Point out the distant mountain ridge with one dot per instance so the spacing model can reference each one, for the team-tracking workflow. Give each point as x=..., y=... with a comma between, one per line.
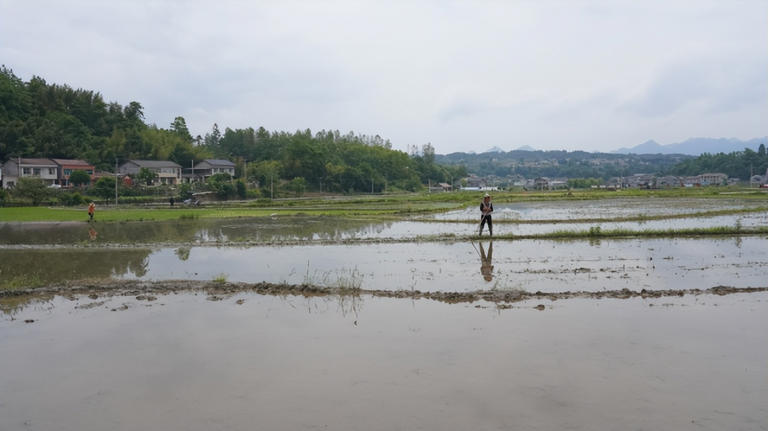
x=695, y=146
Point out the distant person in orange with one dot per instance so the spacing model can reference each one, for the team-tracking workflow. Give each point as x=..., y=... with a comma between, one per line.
x=91, y=211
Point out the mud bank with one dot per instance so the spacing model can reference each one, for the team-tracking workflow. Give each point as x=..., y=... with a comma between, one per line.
x=143, y=290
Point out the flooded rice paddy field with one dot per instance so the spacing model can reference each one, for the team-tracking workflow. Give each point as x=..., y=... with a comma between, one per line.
x=183, y=361
x=320, y=229
x=529, y=265
x=668, y=348
x=602, y=208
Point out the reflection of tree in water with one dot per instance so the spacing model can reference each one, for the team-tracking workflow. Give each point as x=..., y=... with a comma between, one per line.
x=305, y=228
x=12, y=305
x=126, y=232
x=30, y=268
x=183, y=253
x=248, y=229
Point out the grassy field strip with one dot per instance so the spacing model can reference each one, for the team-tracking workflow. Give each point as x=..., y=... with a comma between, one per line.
x=111, y=214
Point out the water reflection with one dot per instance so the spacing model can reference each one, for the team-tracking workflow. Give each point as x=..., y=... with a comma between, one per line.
x=531, y=265
x=264, y=229
x=486, y=261
x=36, y=267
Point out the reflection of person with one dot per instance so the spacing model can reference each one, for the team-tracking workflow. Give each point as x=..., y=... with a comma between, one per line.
x=486, y=262
x=92, y=234
x=486, y=208
x=91, y=211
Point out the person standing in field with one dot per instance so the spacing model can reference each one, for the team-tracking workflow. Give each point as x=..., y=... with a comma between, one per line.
x=486, y=208
x=91, y=211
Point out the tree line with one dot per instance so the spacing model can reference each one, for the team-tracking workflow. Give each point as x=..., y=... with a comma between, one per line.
x=738, y=164
x=39, y=119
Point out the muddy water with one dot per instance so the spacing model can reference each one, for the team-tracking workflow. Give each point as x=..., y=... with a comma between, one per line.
x=300, y=228
x=192, y=231
x=530, y=265
x=602, y=208
x=183, y=362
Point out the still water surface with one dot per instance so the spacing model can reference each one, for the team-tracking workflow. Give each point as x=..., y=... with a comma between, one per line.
x=182, y=362
x=531, y=265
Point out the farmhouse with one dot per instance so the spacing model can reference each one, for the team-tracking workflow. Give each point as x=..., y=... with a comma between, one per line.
x=167, y=172
x=13, y=169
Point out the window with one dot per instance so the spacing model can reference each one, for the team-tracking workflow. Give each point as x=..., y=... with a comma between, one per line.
x=51, y=171
x=27, y=171
x=67, y=172
x=36, y=171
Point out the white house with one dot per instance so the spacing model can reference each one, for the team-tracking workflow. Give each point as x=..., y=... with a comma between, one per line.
x=167, y=172
x=208, y=168
x=45, y=169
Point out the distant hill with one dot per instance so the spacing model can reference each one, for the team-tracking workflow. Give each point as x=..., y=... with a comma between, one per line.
x=494, y=150
x=695, y=146
x=526, y=148
x=573, y=164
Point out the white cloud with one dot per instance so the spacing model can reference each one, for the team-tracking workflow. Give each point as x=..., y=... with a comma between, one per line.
x=593, y=75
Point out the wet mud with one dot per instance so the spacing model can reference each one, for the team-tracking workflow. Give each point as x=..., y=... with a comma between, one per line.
x=216, y=291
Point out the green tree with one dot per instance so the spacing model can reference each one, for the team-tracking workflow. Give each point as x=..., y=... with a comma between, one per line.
x=147, y=176
x=105, y=187
x=298, y=185
x=240, y=188
x=179, y=127
x=79, y=178
x=31, y=188
x=185, y=191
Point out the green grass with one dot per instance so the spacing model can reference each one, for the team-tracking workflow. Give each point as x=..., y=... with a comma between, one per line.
x=53, y=214
x=366, y=205
x=640, y=217
x=596, y=233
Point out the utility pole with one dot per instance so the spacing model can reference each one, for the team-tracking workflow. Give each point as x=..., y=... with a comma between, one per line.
x=371, y=183
x=116, y=179
x=271, y=187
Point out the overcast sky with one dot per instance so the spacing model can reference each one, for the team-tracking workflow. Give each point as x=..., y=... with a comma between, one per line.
x=463, y=75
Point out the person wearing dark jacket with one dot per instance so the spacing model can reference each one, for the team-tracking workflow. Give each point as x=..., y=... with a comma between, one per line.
x=486, y=208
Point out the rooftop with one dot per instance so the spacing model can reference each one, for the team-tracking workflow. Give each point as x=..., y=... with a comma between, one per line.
x=155, y=163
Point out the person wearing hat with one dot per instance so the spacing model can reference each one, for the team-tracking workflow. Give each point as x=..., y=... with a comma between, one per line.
x=486, y=208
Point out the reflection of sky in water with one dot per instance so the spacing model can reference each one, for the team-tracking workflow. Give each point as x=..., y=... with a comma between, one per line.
x=415, y=228
x=531, y=265
x=304, y=228
x=289, y=363
x=603, y=208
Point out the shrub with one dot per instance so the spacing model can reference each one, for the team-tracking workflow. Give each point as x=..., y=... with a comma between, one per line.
x=33, y=189
x=185, y=191
x=241, y=191
x=71, y=199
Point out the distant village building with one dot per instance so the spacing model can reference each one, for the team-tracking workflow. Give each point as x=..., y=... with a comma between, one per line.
x=67, y=166
x=637, y=181
x=208, y=168
x=167, y=172
x=541, y=183
x=716, y=179
x=668, y=181
x=44, y=169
